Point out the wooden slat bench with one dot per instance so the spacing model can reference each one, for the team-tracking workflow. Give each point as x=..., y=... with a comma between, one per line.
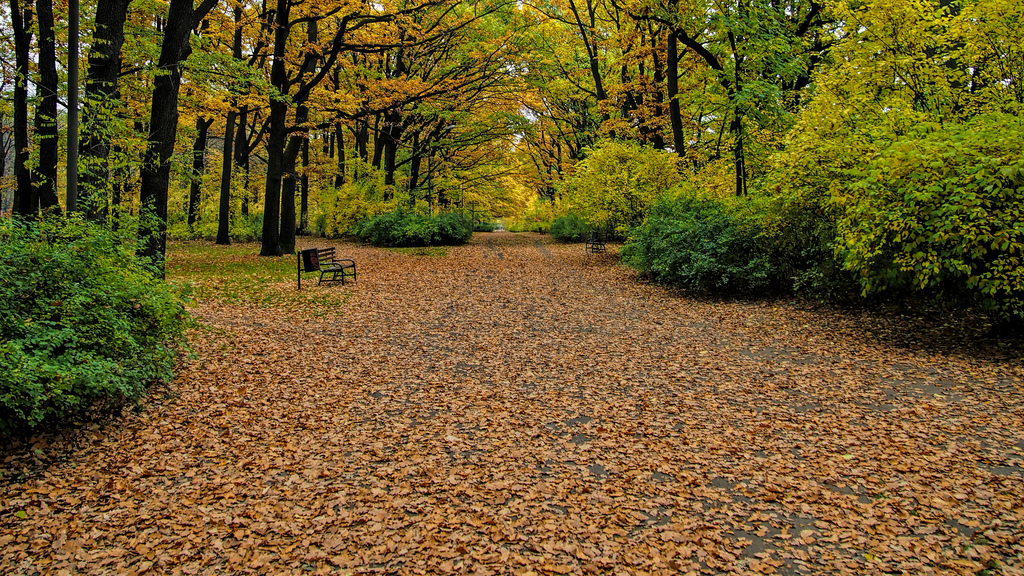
x=323, y=260
x=595, y=243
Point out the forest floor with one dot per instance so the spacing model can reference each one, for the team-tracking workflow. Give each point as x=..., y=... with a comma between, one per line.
x=516, y=406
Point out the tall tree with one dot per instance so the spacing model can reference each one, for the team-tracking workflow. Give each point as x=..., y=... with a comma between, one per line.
x=44, y=176
x=182, y=19
x=198, y=168
x=21, y=20
x=674, y=109
x=293, y=88
x=242, y=148
x=754, y=52
x=101, y=103
x=227, y=165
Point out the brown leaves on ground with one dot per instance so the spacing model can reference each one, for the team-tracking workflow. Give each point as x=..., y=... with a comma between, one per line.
x=520, y=407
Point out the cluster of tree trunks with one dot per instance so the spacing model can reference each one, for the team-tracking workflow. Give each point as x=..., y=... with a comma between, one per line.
x=36, y=191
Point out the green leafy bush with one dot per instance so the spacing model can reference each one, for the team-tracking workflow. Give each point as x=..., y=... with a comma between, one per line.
x=615, y=185
x=484, y=227
x=798, y=234
x=243, y=228
x=453, y=228
x=339, y=211
x=83, y=324
x=405, y=228
x=570, y=228
x=697, y=244
x=943, y=209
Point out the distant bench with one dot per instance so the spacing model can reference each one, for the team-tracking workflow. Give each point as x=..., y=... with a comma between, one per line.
x=322, y=260
x=595, y=243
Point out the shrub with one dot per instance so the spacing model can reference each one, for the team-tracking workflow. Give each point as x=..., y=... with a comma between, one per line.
x=384, y=230
x=804, y=243
x=339, y=212
x=241, y=229
x=570, y=228
x=405, y=228
x=941, y=209
x=697, y=244
x=484, y=227
x=246, y=228
x=83, y=324
x=798, y=235
x=615, y=185
x=454, y=228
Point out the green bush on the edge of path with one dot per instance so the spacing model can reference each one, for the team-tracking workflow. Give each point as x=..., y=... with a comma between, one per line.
x=85, y=326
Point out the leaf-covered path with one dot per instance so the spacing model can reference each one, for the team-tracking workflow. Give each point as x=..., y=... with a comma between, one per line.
x=520, y=407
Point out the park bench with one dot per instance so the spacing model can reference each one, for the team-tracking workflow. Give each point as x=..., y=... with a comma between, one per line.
x=595, y=243
x=323, y=260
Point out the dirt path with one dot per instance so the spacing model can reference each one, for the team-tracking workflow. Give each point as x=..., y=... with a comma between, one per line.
x=519, y=407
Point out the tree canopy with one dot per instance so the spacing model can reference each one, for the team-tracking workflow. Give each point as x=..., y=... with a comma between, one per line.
x=263, y=120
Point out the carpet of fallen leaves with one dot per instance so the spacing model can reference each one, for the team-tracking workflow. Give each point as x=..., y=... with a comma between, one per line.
x=521, y=407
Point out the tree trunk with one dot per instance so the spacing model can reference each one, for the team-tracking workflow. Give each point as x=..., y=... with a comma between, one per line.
x=101, y=94
x=674, y=111
x=284, y=181
x=198, y=169
x=654, y=125
x=338, y=143
x=182, y=18
x=271, y=236
x=242, y=156
x=393, y=126
x=739, y=161
x=304, y=188
x=44, y=177
x=227, y=161
x=414, y=165
x=224, y=213
x=363, y=140
x=24, y=200
x=378, y=142
x=736, y=127
x=289, y=183
x=390, y=151
x=586, y=30
x=5, y=148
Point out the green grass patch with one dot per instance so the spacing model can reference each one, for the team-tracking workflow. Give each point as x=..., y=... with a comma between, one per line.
x=433, y=251
x=236, y=274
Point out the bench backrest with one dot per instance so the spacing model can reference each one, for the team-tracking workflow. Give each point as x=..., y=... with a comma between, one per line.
x=310, y=260
x=312, y=257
